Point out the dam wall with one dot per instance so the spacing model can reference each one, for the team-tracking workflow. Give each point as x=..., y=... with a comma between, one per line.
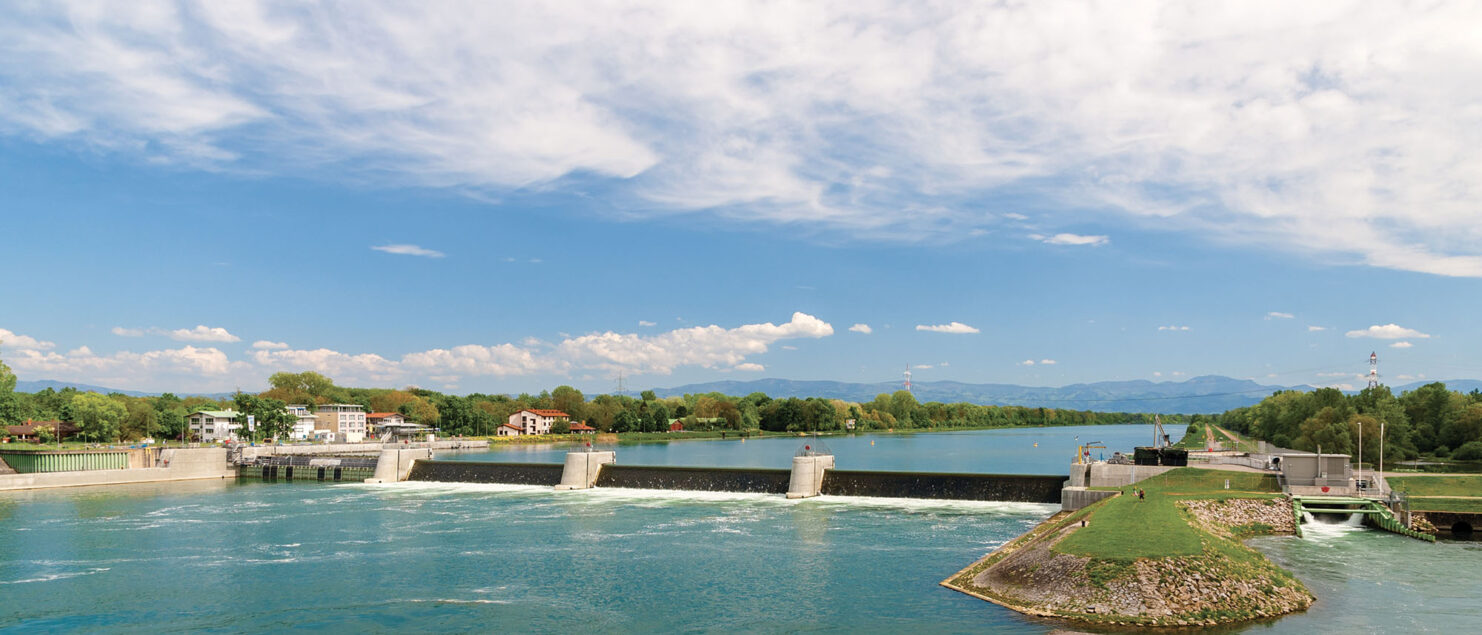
x=982, y=487
x=703, y=479
x=548, y=475
x=174, y=465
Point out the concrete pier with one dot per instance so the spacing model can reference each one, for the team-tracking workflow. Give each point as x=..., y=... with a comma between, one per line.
x=582, y=468
x=394, y=465
x=807, y=475
x=175, y=465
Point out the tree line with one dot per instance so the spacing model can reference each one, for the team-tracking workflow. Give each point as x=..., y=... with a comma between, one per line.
x=1428, y=421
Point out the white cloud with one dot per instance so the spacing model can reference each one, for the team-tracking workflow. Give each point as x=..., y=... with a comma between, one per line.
x=1071, y=239
x=881, y=119
x=16, y=341
x=1279, y=315
x=1401, y=345
x=1015, y=216
x=862, y=328
x=647, y=323
x=271, y=346
x=952, y=327
x=1314, y=329
x=1047, y=362
x=1157, y=374
x=922, y=366
x=1173, y=328
x=750, y=367
x=1027, y=362
x=342, y=367
x=789, y=347
x=123, y=332
x=1388, y=332
x=707, y=346
x=203, y=333
x=409, y=250
x=82, y=362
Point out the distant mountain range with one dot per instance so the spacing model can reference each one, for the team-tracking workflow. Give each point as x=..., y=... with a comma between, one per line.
x=1201, y=395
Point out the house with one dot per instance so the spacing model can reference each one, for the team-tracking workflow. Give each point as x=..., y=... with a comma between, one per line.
x=304, y=427
x=509, y=430
x=375, y=421
x=211, y=426
x=582, y=428
x=27, y=431
x=676, y=425
x=344, y=421
x=536, y=421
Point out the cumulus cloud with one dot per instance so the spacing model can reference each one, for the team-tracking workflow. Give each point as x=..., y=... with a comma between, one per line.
x=1388, y=332
x=1027, y=362
x=203, y=333
x=409, y=250
x=124, y=332
x=1279, y=315
x=951, y=327
x=750, y=367
x=1314, y=329
x=1173, y=328
x=1071, y=239
x=83, y=362
x=270, y=346
x=862, y=328
x=1401, y=344
x=16, y=341
x=706, y=346
x=877, y=119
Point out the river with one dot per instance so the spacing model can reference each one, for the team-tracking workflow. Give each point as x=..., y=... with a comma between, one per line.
x=255, y=556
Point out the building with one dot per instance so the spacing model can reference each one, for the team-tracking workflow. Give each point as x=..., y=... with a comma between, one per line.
x=677, y=425
x=345, y=422
x=1314, y=474
x=375, y=421
x=582, y=428
x=536, y=421
x=509, y=430
x=211, y=426
x=303, y=428
x=27, y=431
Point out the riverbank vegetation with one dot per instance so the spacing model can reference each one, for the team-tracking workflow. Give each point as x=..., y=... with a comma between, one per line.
x=1427, y=421
x=1171, y=558
x=114, y=417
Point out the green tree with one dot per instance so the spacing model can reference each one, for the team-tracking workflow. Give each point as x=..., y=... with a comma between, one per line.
x=570, y=401
x=97, y=417
x=270, y=417
x=561, y=426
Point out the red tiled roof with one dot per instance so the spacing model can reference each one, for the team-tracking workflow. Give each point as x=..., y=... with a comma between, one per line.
x=581, y=427
x=383, y=415
x=546, y=413
x=512, y=426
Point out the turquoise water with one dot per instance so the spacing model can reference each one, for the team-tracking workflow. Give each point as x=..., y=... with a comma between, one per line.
x=1002, y=451
x=253, y=556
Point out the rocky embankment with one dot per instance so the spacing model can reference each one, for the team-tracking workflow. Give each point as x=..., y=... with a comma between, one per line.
x=1227, y=583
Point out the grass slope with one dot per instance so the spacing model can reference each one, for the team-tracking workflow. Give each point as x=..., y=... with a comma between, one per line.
x=1447, y=485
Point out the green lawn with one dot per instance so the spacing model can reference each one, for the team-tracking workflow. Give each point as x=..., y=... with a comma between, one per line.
x=1125, y=528
x=1448, y=485
x=1473, y=505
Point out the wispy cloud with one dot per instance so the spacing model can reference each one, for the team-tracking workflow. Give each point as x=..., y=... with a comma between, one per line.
x=1232, y=127
x=952, y=327
x=1401, y=344
x=750, y=367
x=862, y=328
x=1047, y=362
x=1027, y=362
x=1173, y=328
x=647, y=323
x=1071, y=239
x=409, y=250
x=1314, y=329
x=1388, y=332
x=1279, y=315
x=126, y=332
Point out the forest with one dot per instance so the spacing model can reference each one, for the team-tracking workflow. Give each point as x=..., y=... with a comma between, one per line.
x=1427, y=421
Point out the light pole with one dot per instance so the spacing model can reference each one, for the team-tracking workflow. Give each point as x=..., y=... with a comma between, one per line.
x=1361, y=451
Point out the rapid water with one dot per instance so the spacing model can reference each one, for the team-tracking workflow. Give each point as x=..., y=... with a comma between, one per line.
x=258, y=557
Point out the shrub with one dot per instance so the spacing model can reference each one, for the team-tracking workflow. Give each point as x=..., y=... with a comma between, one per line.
x=1442, y=452
x=1472, y=451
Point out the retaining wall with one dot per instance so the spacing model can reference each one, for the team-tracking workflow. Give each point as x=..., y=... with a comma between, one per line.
x=176, y=465
x=483, y=472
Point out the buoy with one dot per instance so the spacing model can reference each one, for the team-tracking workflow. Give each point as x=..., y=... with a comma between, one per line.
x=872, y=442
x=1036, y=444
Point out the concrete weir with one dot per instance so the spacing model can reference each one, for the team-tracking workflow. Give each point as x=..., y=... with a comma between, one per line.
x=582, y=468
x=806, y=480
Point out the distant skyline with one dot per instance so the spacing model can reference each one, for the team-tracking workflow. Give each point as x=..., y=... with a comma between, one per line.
x=474, y=198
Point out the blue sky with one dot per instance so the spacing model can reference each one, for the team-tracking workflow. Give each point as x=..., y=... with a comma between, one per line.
x=196, y=196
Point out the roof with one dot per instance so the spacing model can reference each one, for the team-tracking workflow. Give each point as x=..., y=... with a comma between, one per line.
x=383, y=415
x=579, y=427
x=219, y=414
x=30, y=427
x=511, y=426
x=546, y=413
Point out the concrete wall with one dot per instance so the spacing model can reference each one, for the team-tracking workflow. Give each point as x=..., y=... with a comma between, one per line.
x=1073, y=498
x=582, y=468
x=178, y=465
x=1109, y=475
x=807, y=475
x=394, y=465
x=250, y=452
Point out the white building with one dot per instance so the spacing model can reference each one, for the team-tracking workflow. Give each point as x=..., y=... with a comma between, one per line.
x=345, y=421
x=304, y=427
x=508, y=430
x=214, y=425
x=536, y=421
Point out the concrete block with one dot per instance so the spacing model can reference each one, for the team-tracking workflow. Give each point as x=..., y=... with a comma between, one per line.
x=582, y=468
x=807, y=475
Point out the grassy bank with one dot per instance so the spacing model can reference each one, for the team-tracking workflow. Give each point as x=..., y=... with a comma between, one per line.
x=1174, y=558
x=1438, y=485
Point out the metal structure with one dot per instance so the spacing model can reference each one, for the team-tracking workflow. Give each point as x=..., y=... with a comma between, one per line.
x=1083, y=452
x=1373, y=370
x=908, y=378
x=1159, y=438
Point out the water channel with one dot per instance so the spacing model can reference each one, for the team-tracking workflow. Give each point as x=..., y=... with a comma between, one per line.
x=255, y=556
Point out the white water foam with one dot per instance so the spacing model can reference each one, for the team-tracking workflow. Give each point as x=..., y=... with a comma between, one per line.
x=57, y=576
x=1314, y=529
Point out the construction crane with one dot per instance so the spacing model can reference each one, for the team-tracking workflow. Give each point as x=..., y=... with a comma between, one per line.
x=1083, y=452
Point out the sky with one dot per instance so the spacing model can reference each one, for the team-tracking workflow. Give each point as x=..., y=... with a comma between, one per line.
x=502, y=198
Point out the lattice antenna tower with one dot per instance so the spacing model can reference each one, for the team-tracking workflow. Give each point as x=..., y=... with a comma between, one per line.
x=1373, y=370
x=621, y=387
x=908, y=378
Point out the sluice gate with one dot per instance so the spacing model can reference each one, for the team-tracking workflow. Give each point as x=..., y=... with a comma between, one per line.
x=984, y=487
x=1376, y=514
x=309, y=468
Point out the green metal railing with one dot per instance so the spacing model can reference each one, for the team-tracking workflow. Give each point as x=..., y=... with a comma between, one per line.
x=34, y=462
